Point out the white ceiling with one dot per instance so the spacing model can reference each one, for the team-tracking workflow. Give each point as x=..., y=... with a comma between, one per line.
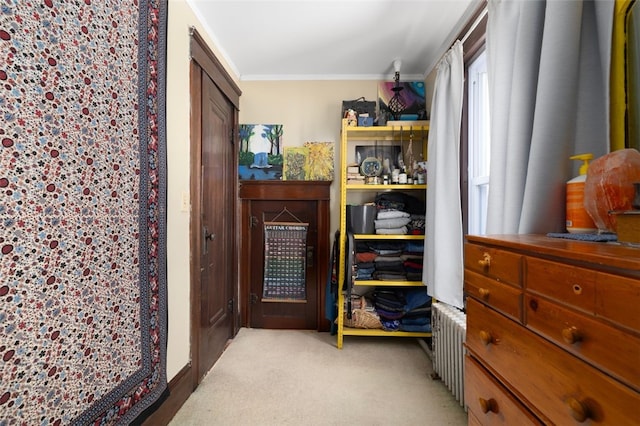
x=331, y=40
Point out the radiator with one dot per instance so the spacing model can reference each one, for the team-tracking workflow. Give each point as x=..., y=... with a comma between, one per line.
x=449, y=325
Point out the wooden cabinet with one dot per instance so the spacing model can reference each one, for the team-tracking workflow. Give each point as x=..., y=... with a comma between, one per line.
x=308, y=202
x=359, y=193
x=553, y=335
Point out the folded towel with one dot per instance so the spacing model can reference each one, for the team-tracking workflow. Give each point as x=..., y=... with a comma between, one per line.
x=391, y=214
x=391, y=223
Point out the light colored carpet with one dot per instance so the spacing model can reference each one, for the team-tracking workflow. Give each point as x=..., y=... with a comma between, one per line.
x=299, y=377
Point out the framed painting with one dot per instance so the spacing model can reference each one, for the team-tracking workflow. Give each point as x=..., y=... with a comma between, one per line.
x=412, y=95
x=320, y=161
x=295, y=166
x=260, y=156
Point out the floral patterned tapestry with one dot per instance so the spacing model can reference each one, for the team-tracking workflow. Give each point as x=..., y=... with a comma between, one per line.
x=82, y=210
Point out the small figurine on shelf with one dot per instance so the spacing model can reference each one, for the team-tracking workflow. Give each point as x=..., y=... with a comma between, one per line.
x=420, y=172
x=352, y=117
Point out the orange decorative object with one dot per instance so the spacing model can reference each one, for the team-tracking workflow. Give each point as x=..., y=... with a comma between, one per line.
x=609, y=186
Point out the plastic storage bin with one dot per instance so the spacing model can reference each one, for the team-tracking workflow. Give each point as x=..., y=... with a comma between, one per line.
x=360, y=219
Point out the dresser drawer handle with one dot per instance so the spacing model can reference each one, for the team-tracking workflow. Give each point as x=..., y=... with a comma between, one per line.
x=579, y=410
x=485, y=262
x=488, y=405
x=485, y=337
x=571, y=335
x=484, y=293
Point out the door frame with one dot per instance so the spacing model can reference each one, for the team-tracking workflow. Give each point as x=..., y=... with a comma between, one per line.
x=203, y=59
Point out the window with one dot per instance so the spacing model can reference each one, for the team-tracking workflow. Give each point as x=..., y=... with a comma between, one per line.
x=479, y=153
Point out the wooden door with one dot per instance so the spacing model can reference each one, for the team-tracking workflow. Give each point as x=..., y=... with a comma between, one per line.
x=215, y=99
x=269, y=313
x=217, y=224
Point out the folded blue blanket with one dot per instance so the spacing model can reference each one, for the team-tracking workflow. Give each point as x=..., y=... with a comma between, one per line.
x=423, y=320
x=416, y=297
x=426, y=328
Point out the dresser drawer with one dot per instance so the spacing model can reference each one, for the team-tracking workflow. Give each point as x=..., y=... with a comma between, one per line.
x=488, y=402
x=565, y=283
x=557, y=383
x=498, y=264
x=602, y=345
x=504, y=298
x=618, y=300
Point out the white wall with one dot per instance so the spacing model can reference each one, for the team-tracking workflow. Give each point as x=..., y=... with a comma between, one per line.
x=309, y=112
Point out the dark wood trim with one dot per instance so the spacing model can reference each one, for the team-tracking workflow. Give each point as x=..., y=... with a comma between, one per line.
x=473, y=46
x=324, y=254
x=202, y=54
x=180, y=388
x=194, y=235
x=238, y=309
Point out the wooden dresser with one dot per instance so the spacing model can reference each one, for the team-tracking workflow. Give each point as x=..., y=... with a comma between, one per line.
x=553, y=331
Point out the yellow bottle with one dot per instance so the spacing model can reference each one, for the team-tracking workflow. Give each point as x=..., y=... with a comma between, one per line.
x=578, y=220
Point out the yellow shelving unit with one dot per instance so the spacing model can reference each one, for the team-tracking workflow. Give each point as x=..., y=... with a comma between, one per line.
x=350, y=137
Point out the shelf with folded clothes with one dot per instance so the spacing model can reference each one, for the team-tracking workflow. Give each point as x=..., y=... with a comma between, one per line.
x=388, y=263
x=390, y=309
x=399, y=214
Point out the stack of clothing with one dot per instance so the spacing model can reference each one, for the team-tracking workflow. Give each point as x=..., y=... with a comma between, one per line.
x=417, y=316
x=399, y=214
x=365, y=266
x=390, y=305
x=406, y=309
x=388, y=263
x=389, y=260
x=392, y=222
x=389, y=268
x=412, y=258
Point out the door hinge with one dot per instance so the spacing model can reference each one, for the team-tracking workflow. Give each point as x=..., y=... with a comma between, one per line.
x=254, y=298
x=230, y=305
x=232, y=139
x=253, y=221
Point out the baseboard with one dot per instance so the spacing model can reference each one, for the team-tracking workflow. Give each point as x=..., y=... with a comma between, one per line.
x=180, y=388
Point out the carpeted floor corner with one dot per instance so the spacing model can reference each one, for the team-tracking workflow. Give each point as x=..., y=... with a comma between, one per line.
x=299, y=377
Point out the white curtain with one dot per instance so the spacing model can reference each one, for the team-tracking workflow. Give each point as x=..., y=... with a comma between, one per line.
x=549, y=95
x=443, y=269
